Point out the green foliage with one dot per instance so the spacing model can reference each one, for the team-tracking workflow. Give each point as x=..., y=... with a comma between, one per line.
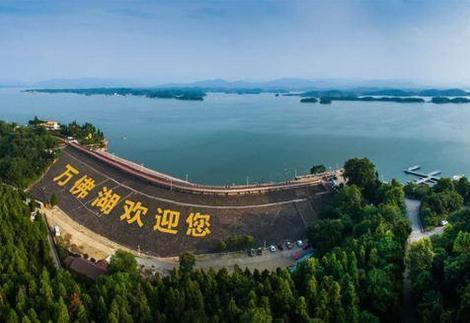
x=416, y=191
x=440, y=200
x=25, y=153
x=325, y=235
x=86, y=134
x=439, y=270
x=437, y=205
x=236, y=243
x=317, y=169
x=360, y=243
x=123, y=262
x=419, y=257
x=36, y=121
x=391, y=194
x=462, y=186
x=361, y=172
x=54, y=200
x=462, y=243
x=187, y=262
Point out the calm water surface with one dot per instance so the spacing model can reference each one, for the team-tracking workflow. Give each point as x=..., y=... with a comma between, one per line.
x=226, y=138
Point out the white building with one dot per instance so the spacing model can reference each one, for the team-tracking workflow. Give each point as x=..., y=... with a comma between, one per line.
x=51, y=125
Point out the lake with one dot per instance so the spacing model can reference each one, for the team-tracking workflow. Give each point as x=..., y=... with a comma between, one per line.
x=230, y=138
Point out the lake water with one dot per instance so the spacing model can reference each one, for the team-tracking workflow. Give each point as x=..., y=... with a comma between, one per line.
x=227, y=138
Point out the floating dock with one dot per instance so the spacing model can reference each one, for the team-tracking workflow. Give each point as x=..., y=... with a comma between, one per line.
x=429, y=178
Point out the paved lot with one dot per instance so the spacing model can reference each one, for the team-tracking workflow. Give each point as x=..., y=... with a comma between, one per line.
x=412, y=208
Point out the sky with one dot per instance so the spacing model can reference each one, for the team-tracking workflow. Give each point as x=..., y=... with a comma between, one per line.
x=181, y=41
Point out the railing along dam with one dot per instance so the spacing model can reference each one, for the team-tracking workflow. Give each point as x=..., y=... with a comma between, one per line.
x=177, y=184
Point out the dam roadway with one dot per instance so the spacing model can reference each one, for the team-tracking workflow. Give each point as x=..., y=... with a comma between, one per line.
x=178, y=184
x=163, y=216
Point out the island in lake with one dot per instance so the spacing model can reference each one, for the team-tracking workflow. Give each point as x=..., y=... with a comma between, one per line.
x=176, y=93
x=325, y=96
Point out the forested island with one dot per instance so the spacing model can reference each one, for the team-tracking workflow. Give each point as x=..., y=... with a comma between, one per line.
x=355, y=275
x=385, y=95
x=338, y=93
x=443, y=100
x=324, y=100
x=308, y=96
x=309, y=100
x=178, y=93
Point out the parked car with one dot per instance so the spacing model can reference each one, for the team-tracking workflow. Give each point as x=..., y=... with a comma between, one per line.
x=56, y=231
x=306, y=246
x=251, y=252
x=299, y=243
x=443, y=222
x=280, y=247
x=272, y=248
x=259, y=251
x=289, y=245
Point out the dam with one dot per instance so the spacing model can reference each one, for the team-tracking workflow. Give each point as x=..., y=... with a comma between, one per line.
x=162, y=216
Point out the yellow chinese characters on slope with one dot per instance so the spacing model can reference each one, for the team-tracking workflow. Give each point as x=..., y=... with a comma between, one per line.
x=82, y=187
x=166, y=220
x=133, y=212
x=66, y=176
x=106, y=200
x=198, y=225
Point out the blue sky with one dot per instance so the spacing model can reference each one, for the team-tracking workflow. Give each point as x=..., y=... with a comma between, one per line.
x=166, y=41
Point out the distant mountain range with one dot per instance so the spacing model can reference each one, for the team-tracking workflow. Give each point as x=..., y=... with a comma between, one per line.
x=283, y=84
x=295, y=84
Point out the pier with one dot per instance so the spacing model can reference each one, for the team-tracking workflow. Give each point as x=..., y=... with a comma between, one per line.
x=429, y=178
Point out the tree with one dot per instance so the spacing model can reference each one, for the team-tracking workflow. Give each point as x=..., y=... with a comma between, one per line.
x=392, y=194
x=54, y=199
x=187, y=262
x=256, y=315
x=349, y=199
x=325, y=235
x=443, y=184
x=463, y=188
x=221, y=246
x=316, y=169
x=437, y=206
x=379, y=288
x=360, y=172
x=62, y=312
x=123, y=261
x=462, y=243
x=419, y=256
x=464, y=309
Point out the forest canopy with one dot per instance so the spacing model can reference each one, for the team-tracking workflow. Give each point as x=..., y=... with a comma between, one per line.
x=25, y=153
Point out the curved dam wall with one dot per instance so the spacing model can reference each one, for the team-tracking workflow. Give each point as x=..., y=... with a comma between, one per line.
x=135, y=209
